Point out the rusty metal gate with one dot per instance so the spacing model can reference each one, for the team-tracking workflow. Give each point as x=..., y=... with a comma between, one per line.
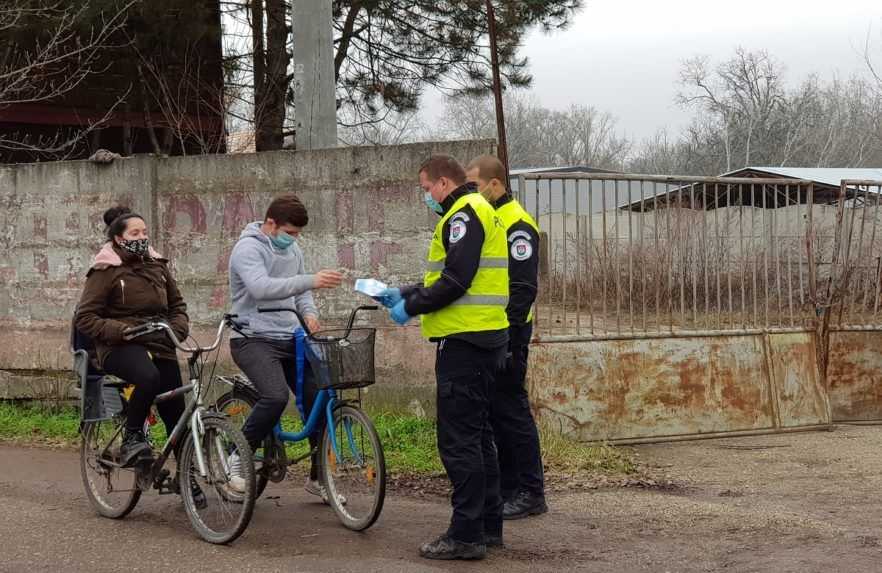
x=694, y=306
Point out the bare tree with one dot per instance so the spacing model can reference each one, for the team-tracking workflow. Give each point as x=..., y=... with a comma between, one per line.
x=50, y=64
x=746, y=116
x=189, y=104
x=538, y=136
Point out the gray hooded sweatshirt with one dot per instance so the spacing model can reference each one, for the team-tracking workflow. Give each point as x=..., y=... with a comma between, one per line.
x=263, y=276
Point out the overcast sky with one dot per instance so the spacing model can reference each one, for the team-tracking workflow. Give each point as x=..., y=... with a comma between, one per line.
x=624, y=56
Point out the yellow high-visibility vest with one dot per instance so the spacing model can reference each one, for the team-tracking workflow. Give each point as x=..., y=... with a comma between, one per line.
x=482, y=307
x=511, y=213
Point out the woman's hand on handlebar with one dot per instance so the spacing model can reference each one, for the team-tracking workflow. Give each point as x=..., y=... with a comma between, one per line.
x=327, y=279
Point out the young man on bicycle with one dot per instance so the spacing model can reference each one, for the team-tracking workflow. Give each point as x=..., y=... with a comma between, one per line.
x=267, y=269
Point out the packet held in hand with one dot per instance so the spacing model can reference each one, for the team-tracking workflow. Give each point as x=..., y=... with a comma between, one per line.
x=371, y=287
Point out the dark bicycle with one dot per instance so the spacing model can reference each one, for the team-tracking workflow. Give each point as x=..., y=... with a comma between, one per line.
x=207, y=439
x=352, y=465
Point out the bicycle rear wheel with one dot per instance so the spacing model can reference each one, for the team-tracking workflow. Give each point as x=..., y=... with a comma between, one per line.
x=354, y=476
x=113, y=491
x=225, y=513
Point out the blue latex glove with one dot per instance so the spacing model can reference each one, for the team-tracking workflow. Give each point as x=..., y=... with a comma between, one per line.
x=398, y=314
x=389, y=297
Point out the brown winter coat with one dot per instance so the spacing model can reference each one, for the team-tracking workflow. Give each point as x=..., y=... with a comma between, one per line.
x=123, y=290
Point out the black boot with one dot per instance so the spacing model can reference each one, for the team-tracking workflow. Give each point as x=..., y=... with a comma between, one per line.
x=445, y=547
x=134, y=449
x=524, y=505
x=493, y=540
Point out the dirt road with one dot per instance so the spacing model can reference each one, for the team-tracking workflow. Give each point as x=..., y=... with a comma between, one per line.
x=801, y=502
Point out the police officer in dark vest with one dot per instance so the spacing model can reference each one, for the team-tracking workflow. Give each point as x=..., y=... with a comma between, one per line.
x=517, y=440
x=461, y=304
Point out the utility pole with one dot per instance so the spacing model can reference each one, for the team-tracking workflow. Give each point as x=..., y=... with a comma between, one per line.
x=315, y=95
x=502, y=151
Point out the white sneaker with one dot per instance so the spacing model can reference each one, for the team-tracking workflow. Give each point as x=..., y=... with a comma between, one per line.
x=313, y=487
x=236, y=482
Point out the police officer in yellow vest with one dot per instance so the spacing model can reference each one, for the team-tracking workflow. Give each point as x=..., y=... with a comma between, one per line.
x=522, y=482
x=461, y=303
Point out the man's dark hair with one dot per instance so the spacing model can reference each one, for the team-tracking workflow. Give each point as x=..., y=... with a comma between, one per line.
x=288, y=210
x=116, y=219
x=439, y=166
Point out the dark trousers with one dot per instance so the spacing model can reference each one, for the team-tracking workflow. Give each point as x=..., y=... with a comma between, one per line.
x=465, y=375
x=517, y=440
x=271, y=366
x=151, y=377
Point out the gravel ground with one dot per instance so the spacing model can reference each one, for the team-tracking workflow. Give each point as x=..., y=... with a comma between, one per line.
x=799, y=502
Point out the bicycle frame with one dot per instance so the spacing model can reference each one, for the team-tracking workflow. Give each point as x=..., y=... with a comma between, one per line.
x=326, y=400
x=192, y=415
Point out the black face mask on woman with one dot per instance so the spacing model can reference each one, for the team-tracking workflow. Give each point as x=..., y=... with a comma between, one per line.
x=137, y=247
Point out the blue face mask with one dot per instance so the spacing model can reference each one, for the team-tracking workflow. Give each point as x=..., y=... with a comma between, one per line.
x=282, y=241
x=433, y=205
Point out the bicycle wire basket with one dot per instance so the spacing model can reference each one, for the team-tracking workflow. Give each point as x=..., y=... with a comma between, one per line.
x=341, y=361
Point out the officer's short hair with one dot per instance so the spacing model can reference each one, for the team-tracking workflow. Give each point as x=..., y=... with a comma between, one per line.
x=489, y=167
x=439, y=166
x=288, y=209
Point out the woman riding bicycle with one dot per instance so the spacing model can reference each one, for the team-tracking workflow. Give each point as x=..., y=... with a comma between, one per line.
x=128, y=284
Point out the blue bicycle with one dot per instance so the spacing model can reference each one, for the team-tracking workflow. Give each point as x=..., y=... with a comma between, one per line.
x=351, y=463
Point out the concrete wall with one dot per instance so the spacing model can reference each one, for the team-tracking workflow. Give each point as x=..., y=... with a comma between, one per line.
x=366, y=218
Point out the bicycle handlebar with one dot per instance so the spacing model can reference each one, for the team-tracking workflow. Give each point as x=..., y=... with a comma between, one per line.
x=303, y=322
x=134, y=332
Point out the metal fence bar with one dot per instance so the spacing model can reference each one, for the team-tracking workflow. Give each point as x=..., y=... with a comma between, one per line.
x=658, y=253
x=755, y=258
x=718, y=263
x=731, y=317
x=613, y=265
x=630, y=262
x=765, y=263
x=860, y=251
x=871, y=257
x=669, y=213
x=566, y=262
x=579, y=252
x=643, y=254
x=591, y=273
x=552, y=255
x=878, y=275
x=846, y=270
x=802, y=252
x=705, y=258
x=684, y=258
x=789, y=258
x=776, y=251
x=742, y=256
x=604, y=254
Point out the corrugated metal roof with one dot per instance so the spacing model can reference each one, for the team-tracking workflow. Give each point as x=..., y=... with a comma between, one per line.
x=832, y=176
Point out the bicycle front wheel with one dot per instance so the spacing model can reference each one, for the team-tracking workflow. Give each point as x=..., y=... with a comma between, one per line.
x=112, y=490
x=223, y=511
x=355, y=474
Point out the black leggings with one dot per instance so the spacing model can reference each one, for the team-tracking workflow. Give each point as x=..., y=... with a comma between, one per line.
x=131, y=363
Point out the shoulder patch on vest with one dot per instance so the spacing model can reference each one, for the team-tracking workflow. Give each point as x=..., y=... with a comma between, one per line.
x=519, y=234
x=521, y=249
x=460, y=216
x=458, y=230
